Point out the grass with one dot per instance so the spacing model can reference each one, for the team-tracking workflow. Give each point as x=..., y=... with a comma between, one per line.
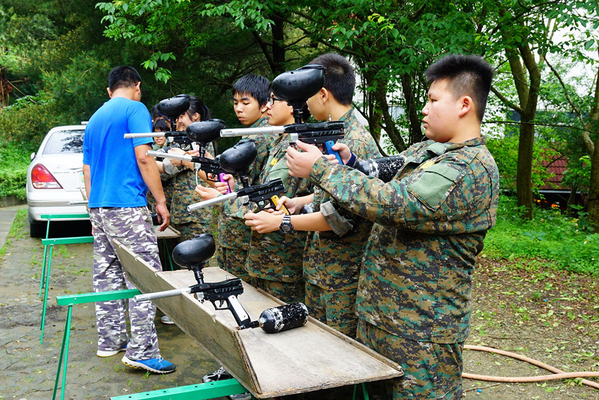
x=565, y=241
x=16, y=230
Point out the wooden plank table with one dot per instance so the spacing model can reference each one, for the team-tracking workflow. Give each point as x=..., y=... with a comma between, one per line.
x=310, y=358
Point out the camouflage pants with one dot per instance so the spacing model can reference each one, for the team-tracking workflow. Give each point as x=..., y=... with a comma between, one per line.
x=232, y=260
x=289, y=292
x=336, y=308
x=190, y=230
x=132, y=227
x=431, y=370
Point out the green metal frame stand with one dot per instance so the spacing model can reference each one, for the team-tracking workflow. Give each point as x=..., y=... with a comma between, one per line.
x=70, y=301
x=47, y=260
x=201, y=391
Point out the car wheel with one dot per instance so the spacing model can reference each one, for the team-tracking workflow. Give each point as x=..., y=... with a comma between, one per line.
x=37, y=229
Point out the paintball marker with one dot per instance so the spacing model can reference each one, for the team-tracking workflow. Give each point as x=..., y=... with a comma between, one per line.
x=236, y=161
x=193, y=254
x=202, y=132
x=172, y=108
x=296, y=87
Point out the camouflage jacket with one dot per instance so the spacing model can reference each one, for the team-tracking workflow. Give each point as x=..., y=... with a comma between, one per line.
x=276, y=256
x=232, y=230
x=332, y=258
x=183, y=194
x=430, y=222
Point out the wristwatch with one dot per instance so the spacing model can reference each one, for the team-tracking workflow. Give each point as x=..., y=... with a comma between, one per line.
x=286, y=226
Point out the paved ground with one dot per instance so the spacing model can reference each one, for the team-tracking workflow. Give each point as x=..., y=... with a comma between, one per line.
x=29, y=369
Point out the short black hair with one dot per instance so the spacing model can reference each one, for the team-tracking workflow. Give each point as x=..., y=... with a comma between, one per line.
x=155, y=113
x=161, y=125
x=339, y=79
x=197, y=106
x=123, y=77
x=254, y=85
x=468, y=75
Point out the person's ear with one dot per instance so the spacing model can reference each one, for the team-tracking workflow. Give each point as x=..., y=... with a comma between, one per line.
x=323, y=95
x=466, y=105
x=196, y=117
x=109, y=92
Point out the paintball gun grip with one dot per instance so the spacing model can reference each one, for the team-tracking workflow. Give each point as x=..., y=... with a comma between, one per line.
x=159, y=295
x=211, y=202
x=149, y=134
x=329, y=146
x=221, y=177
x=275, y=200
x=241, y=316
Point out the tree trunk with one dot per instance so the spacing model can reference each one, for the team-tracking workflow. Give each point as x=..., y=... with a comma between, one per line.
x=413, y=114
x=593, y=203
x=524, y=173
x=278, y=45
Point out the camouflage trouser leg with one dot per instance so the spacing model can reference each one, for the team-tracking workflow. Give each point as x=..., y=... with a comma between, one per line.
x=336, y=308
x=289, y=292
x=431, y=370
x=132, y=228
x=232, y=260
x=190, y=230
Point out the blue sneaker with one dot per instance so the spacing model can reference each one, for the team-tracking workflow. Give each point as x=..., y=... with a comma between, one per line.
x=110, y=353
x=156, y=365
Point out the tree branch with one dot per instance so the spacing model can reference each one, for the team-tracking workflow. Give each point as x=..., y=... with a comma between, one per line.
x=506, y=101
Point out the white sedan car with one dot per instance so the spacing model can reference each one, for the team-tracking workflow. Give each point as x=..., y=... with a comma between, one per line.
x=54, y=178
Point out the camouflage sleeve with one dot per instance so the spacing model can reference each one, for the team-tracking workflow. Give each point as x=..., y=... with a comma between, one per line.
x=446, y=198
x=169, y=169
x=336, y=221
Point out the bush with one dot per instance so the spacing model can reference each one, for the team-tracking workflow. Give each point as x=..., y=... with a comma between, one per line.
x=14, y=161
x=550, y=235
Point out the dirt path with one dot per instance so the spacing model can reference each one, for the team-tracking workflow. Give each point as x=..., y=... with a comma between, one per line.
x=530, y=310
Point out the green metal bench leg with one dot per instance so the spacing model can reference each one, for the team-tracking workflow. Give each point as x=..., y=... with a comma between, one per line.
x=167, y=254
x=47, y=286
x=201, y=391
x=364, y=391
x=43, y=275
x=64, y=353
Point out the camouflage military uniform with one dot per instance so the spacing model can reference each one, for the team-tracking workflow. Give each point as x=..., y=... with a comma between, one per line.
x=274, y=260
x=233, y=234
x=132, y=227
x=416, y=277
x=189, y=224
x=332, y=259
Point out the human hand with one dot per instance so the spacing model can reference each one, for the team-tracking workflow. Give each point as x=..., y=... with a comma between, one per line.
x=300, y=163
x=207, y=193
x=343, y=150
x=263, y=222
x=164, y=216
x=179, y=152
x=292, y=204
x=222, y=187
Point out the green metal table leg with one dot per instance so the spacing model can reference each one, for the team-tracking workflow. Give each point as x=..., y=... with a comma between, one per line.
x=64, y=353
x=46, y=294
x=364, y=391
x=202, y=391
x=70, y=300
x=43, y=275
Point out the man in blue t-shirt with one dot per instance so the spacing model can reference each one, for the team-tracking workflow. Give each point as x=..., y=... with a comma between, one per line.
x=118, y=174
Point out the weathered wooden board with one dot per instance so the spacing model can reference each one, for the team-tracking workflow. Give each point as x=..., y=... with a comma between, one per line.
x=168, y=233
x=305, y=359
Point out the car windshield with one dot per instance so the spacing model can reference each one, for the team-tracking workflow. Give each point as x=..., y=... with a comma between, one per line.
x=65, y=142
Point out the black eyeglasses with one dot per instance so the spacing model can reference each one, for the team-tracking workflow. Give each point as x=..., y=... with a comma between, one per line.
x=273, y=99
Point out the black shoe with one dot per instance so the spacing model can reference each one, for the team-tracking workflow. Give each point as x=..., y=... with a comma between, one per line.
x=219, y=375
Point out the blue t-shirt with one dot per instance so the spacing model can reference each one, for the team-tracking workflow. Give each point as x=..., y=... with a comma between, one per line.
x=115, y=177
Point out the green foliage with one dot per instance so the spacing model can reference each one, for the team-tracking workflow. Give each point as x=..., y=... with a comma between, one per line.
x=505, y=152
x=550, y=235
